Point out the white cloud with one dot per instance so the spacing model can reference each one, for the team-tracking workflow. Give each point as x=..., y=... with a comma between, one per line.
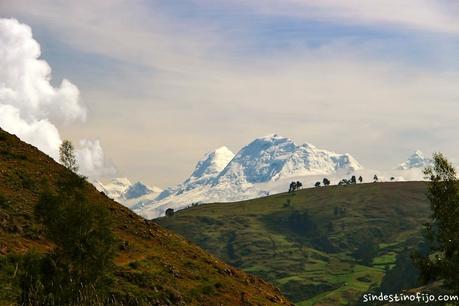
x=92, y=161
x=25, y=79
x=30, y=105
x=40, y=133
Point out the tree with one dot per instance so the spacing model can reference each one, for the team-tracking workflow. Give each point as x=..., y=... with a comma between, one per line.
x=67, y=156
x=298, y=185
x=169, y=212
x=441, y=262
x=360, y=179
x=84, y=247
x=366, y=251
x=317, y=184
x=292, y=187
x=375, y=178
x=326, y=181
x=353, y=180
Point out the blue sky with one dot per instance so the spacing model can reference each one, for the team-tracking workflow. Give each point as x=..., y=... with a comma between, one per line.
x=166, y=81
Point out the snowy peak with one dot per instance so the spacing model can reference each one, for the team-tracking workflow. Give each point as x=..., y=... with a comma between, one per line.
x=116, y=187
x=309, y=160
x=274, y=157
x=139, y=189
x=205, y=172
x=415, y=161
x=259, y=161
x=124, y=192
x=212, y=164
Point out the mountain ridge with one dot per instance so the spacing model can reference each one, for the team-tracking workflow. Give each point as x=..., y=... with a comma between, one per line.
x=264, y=166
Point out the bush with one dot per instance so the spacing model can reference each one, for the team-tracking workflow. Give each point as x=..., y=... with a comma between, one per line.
x=301, y=223
x=79, y=267
x=4, y=203
x=366, y=251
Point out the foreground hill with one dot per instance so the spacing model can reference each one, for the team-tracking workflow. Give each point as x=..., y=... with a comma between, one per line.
x=322, y=246
x=153, y=265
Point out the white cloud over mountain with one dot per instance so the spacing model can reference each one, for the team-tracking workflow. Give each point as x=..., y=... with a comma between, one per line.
x=31, y=107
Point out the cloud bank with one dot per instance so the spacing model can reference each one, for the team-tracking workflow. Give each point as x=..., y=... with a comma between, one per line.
x=30, y=106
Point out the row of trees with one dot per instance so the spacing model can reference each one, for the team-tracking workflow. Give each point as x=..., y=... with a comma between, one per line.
x=294, y=186
x=326, y=182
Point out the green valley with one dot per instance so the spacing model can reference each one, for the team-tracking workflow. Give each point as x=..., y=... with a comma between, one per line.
x=322, y=246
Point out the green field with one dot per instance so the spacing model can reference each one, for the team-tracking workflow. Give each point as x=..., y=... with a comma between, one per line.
x=322, y=246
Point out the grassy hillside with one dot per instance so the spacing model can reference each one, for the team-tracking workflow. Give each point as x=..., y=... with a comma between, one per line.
x=153, y=266
x=319, y=246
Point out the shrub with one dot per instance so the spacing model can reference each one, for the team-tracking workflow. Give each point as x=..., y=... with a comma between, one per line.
x=78, y=269
x=4, y=203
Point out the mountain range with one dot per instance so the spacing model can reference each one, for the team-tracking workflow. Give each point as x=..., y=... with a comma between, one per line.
x=264, y=166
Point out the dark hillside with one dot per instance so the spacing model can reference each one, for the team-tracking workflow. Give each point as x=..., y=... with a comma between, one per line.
x=153, y=266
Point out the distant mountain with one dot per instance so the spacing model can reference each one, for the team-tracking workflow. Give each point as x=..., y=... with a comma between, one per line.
x=222, y=176
x=205, y=172
x=139, y=189
x=264, y=166
x=274, y=157
x=208, y=168
x=126, y=193
x=416, y=161
x=115, y=188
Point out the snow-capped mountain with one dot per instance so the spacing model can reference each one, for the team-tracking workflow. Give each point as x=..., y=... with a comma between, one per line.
x=209, y=168
x=126, y=193
x=254, y=171
x=115, y=188
x=416, y=161
x=205, y=172
x=274, y=157
x=139, y=189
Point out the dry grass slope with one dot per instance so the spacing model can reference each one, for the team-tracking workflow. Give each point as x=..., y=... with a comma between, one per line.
x=153, y=265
